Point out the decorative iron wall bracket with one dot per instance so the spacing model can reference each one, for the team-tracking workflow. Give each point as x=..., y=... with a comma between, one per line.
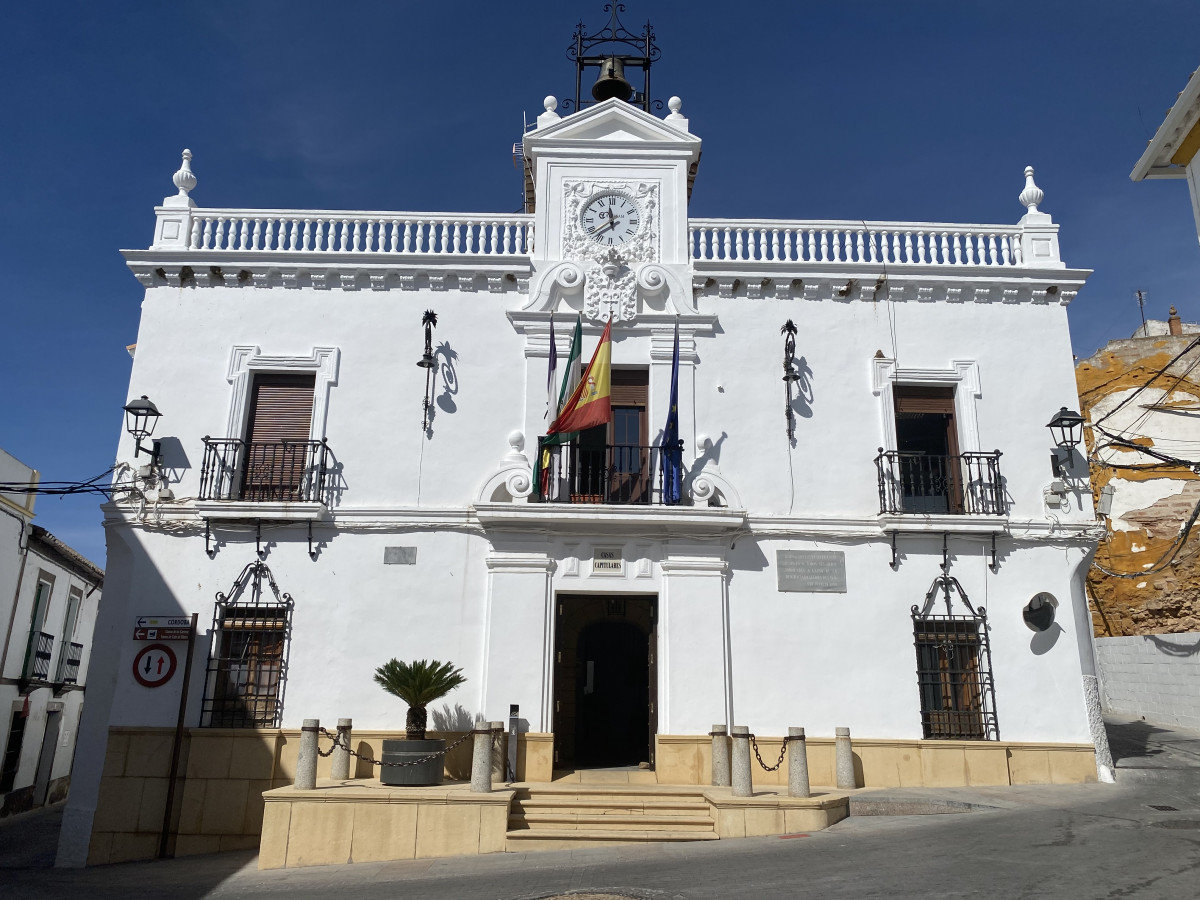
x=993, y=556
x=210, y=548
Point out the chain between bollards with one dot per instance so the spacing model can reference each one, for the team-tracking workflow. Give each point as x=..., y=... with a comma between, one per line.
x=375, y=762
x=782, y=753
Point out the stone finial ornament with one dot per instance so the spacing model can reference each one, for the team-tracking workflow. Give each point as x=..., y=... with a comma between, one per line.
x=549, y=117
x=184, y=179
x=675, y=117
x=1032, y=195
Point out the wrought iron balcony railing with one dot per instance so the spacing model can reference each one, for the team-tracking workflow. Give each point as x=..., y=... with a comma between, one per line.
x=966, y=484
x=619, y=474
x=265, y=471
x=69, y=658
x=37, y=656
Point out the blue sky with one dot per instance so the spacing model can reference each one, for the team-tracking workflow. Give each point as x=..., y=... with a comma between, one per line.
x=918, y=110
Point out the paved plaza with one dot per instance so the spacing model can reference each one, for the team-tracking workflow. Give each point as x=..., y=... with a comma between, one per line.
x=1137, y=838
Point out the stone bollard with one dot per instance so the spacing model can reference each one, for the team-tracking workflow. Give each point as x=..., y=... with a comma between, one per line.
x=844, y=755
x=306, y=757
x=720, y=756
x=797, y=755
x=481, y=759
x=339, y=764
x=741, y=776
x=498, y=755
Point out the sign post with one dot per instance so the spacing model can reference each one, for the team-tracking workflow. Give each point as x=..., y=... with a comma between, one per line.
x=164, y=837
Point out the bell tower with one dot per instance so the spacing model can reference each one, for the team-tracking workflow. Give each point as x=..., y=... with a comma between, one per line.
x=610, y=183
x=614, y=52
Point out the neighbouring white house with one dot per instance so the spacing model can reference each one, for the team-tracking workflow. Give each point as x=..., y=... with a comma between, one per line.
x=49, y=595
x=1172, y=152
x=870, y=532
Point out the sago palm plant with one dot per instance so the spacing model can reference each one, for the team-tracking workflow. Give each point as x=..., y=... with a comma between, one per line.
x=418, y=684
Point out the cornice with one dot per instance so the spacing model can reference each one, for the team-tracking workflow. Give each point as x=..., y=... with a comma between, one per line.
x=659, y=327
x=327, y=271
x=520, y=563
x=676, y=522
x=849, y=282
x=628, y=521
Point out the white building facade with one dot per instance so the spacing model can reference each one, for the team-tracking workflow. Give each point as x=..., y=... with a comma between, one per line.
x=49, y=596
x=792, y=584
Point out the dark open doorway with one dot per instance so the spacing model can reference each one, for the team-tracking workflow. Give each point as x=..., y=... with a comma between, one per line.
x=604, y=681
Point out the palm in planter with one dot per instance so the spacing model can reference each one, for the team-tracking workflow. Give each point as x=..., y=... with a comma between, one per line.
x=418, y=684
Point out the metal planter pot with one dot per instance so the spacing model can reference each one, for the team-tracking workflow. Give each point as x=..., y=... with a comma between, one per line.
x=424, y=773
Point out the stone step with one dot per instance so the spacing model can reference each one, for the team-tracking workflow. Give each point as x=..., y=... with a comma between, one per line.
x=538, y=821
x=611, y=792
x=564, y=839
x=628, y=806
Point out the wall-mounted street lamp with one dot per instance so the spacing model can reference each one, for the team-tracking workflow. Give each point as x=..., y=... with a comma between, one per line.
x=428, y=363
x=141, y=416
x=790, y=375
x=1067, y=429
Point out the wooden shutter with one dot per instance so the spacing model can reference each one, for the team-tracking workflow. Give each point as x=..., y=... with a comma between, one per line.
x=914, y=399
x=277, y=437
x=281, y=408
x=629, y=387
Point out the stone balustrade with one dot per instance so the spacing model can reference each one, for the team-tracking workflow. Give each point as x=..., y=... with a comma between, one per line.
x=312, y=231
x=890, y=243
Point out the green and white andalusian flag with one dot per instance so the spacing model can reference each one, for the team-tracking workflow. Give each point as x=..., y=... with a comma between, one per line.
x=549, y=468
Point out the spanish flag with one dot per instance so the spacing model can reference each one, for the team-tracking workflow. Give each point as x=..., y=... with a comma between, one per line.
x=589, y=404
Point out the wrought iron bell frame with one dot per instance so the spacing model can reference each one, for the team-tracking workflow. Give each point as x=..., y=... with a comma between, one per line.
x=613, y=40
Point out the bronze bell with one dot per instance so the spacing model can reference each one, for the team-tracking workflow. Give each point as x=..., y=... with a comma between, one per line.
x=611, y=82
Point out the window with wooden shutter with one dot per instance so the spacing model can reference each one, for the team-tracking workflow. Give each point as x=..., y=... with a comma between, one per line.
x=927, y=445
x=613, y=460
x=277, y=436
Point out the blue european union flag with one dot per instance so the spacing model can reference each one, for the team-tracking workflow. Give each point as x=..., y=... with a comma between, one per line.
x=671, y=448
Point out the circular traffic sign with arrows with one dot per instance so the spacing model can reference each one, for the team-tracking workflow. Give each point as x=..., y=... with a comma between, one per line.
x=154, y=665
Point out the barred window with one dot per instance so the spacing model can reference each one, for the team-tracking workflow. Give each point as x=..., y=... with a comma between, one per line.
x=954, y=676
x=247, y=671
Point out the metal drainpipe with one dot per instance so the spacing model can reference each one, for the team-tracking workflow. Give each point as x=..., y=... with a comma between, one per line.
x=17, y=593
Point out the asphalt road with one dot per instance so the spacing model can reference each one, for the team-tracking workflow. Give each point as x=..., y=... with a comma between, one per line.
x=1091, y=841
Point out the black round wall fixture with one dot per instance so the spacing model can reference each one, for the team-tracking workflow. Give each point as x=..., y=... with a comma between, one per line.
x=1039, y=611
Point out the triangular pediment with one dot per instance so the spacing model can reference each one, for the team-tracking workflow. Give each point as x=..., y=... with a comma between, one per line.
x=613, y=121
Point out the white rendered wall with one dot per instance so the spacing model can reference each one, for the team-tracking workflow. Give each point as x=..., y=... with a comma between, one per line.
x=40, y=698
x=1152, y=676
x=1021, y=352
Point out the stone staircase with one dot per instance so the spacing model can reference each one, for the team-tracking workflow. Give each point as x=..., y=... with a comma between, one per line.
x=561, y=816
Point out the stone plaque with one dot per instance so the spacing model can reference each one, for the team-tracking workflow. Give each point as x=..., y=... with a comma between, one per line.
x=811, y=571
x=608, y=561
x=399, y=556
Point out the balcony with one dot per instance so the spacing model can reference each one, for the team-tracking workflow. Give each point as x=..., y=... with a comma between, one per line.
x=266, y=471
x=602, y=474
x=927, y=484
x=70, y=656
x=37, y=657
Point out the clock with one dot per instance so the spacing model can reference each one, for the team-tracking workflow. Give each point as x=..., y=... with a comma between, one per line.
x=611, y=219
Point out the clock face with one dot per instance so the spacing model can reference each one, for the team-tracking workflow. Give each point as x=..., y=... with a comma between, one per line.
x=610, y=219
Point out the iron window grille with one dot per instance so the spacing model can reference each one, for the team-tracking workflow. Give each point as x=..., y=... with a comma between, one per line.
x=954, y=676
x=247, y=669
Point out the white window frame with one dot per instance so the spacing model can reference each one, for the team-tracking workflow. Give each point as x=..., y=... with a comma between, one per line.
x=248, y=359
x=962, y=376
